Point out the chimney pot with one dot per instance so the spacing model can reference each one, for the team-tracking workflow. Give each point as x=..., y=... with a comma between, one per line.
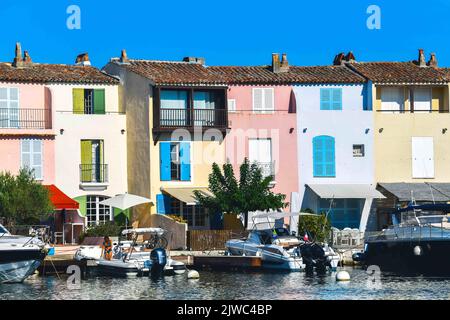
x=433, y=61
x=284, y=64
x=26, y=57
x=83, y=60
x=339, y=59
x=421, y=61
x=124, y=57
x=18, y=61
x=275, y=62
x=350, y=57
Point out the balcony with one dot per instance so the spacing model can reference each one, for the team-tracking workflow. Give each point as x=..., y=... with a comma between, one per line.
x=25, y=118
x=185, y=118
x=267, y=169
x=94, y=177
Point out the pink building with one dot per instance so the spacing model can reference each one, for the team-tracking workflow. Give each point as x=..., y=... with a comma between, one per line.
x=262, y=118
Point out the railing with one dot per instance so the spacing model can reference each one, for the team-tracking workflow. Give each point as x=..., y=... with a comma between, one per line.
x=93, y=173
x=267, y=168
x=347, y=238
x=407, y=233
x=25, y=118
x=413, y=111
x=169, y=118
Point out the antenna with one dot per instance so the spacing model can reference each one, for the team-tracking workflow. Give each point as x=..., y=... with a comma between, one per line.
x=432, y=195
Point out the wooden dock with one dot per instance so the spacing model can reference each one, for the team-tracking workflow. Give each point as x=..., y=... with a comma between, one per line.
x=227, y=262
x=58, y=265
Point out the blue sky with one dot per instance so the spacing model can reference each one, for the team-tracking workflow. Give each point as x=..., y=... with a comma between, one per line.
x=234, y=32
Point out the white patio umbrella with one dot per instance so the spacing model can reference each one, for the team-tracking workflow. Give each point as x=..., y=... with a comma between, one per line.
x=125, y=201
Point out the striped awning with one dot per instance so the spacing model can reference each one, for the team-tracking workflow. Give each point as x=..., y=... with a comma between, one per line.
x=186, y=195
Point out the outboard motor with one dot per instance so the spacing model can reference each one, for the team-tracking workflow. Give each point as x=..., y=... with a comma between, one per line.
x=314, y=257
x=158, y=257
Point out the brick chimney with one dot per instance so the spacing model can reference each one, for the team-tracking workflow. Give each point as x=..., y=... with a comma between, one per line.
x=284, y=64
x=339, y=59
x=433, y=61
x=198, y=60
x=124, y=57
x=18, y=61
x=350, y=57
x=421, y=61
x=83, y=60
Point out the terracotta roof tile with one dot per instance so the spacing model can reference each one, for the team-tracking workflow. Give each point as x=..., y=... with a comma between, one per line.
x=54, y=73
x=179, y=73
x=398, y=72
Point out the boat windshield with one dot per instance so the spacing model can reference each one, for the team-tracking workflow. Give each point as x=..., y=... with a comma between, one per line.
x=3, y=230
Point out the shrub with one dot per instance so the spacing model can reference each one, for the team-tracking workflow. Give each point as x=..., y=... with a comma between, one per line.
x=317, y=227
x=109, y=229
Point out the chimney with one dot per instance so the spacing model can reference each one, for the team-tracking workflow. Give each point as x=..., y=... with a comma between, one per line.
x=433, y=61
x=421, y=61
x=197, y=60
x=350, y=57
x=83, y=60
x=284, y=64
x=18, y=61
x=339, y=59
x=26, y=58
x=124, y=57
x=275, y=62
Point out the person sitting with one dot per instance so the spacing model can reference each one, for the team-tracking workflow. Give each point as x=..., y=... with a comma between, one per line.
x=107, y=248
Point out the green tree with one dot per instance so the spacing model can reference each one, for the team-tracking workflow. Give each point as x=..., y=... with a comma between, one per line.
x=23, y=200
x=251, y=192
x=318, y=227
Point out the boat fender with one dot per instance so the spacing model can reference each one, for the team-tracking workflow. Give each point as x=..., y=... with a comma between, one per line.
x=342, y=276
x=417, y=251
x=193, y=274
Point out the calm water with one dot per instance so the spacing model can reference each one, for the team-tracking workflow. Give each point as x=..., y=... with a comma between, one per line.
x=229, y=285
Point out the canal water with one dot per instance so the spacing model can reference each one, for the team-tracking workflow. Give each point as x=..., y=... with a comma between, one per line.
x=234, y=285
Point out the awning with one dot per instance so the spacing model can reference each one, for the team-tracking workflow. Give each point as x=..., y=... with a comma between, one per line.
x=346, y=191
x=60, y=200
x=186, y=195
x=439, y=192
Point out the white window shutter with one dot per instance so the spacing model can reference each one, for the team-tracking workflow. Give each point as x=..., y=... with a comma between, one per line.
x=258, y=99
x=268, y=99
x=231, y=105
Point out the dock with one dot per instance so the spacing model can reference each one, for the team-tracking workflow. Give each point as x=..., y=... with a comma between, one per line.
x=58, y=264
x=227, y=262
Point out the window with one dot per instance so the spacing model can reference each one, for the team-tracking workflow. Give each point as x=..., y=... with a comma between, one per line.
x=96, y=213
x=260, y=152
x=422, y=99
x=31, y=157
x=92, y=157
x=358, y=150
x=9, y=108
x=195, y=216
x=175, y=158
x=422, y=157
x=392, y=99
x=263, y=100
x=344, y=213
x=331, y=99
x=88, y=101
x=324, y=157
x=231, y=105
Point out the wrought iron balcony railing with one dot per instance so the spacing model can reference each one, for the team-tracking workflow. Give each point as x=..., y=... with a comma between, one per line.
x=267, y=168
x=173, y=118
x=93, y=173
x=13, y=118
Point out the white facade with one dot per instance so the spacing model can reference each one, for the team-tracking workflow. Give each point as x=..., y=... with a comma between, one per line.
x=351, y=127
x=71, y=128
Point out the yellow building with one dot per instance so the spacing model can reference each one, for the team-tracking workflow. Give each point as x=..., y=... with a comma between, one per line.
x=176, y=120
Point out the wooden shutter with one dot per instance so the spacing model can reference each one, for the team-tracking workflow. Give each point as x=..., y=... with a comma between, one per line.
x=336, y=99
x=268, y=99
x=163, y=203
x=324, y=157
x=325, y=99
x=257, y=99
x=78, y=101
x=99, y=101
x=86, y=160
x=164, y=155
x=185, y=161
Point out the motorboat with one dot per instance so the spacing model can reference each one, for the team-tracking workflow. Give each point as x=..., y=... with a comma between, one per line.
x=20, y=256
x=131, y=259
x=280, y=249
x=418, y=241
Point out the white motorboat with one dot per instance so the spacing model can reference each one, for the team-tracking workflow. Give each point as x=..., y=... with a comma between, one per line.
x=279, y=249
x=20, y=256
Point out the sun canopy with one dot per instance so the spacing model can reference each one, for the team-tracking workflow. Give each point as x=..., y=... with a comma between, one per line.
x=157, y=231
x=423, y=192
x=346, y=191
x=125, y=201
x=59, y=199
x=280, y=215
x=186, y=195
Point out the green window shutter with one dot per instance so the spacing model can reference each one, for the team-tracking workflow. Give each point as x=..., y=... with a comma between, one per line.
x=99, y=101
x=82, y=202
x=102, y=162
x=86, y=160
x=78, y=101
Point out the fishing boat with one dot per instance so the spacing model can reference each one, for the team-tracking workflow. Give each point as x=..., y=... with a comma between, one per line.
x=20, y=256
x=418, y=241
x=279, y=249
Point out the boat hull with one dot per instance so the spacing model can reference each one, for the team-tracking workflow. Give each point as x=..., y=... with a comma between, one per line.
x=428, y=257
x=17, y=265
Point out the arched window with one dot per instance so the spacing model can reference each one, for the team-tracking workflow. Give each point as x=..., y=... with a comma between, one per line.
x=324, y=157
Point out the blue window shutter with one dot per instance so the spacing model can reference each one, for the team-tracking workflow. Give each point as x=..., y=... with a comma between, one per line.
x=336, y=99
x=324, y=157
x=164, y=155
x=185, y=160
x=163, y=203
x=330, y=166
x=325, y=99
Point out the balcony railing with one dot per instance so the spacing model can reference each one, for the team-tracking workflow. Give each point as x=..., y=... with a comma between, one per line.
x=25, y=118
x=413, y=111
x=173, y=118
x=267, y=168
x=93, y=173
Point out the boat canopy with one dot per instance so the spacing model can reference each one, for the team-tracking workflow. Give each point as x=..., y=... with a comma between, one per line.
x=444, y=207
x=157, y=231
x=280, y=215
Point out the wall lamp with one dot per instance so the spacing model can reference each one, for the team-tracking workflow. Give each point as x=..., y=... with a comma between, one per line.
x=380, y=130
x=305, y=129
x=61, y=131
x=367, y=130
x=444, y=130
x=122, y=131
x=291, y=130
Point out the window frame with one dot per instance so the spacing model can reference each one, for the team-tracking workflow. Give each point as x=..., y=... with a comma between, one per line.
x=263, y=100
x=323, y=163
x=31, y=155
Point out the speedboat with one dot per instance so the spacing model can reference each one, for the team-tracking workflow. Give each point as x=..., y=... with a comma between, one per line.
x=279, y=249
x=418, y=241
x=20, y=256
x=131, y=259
